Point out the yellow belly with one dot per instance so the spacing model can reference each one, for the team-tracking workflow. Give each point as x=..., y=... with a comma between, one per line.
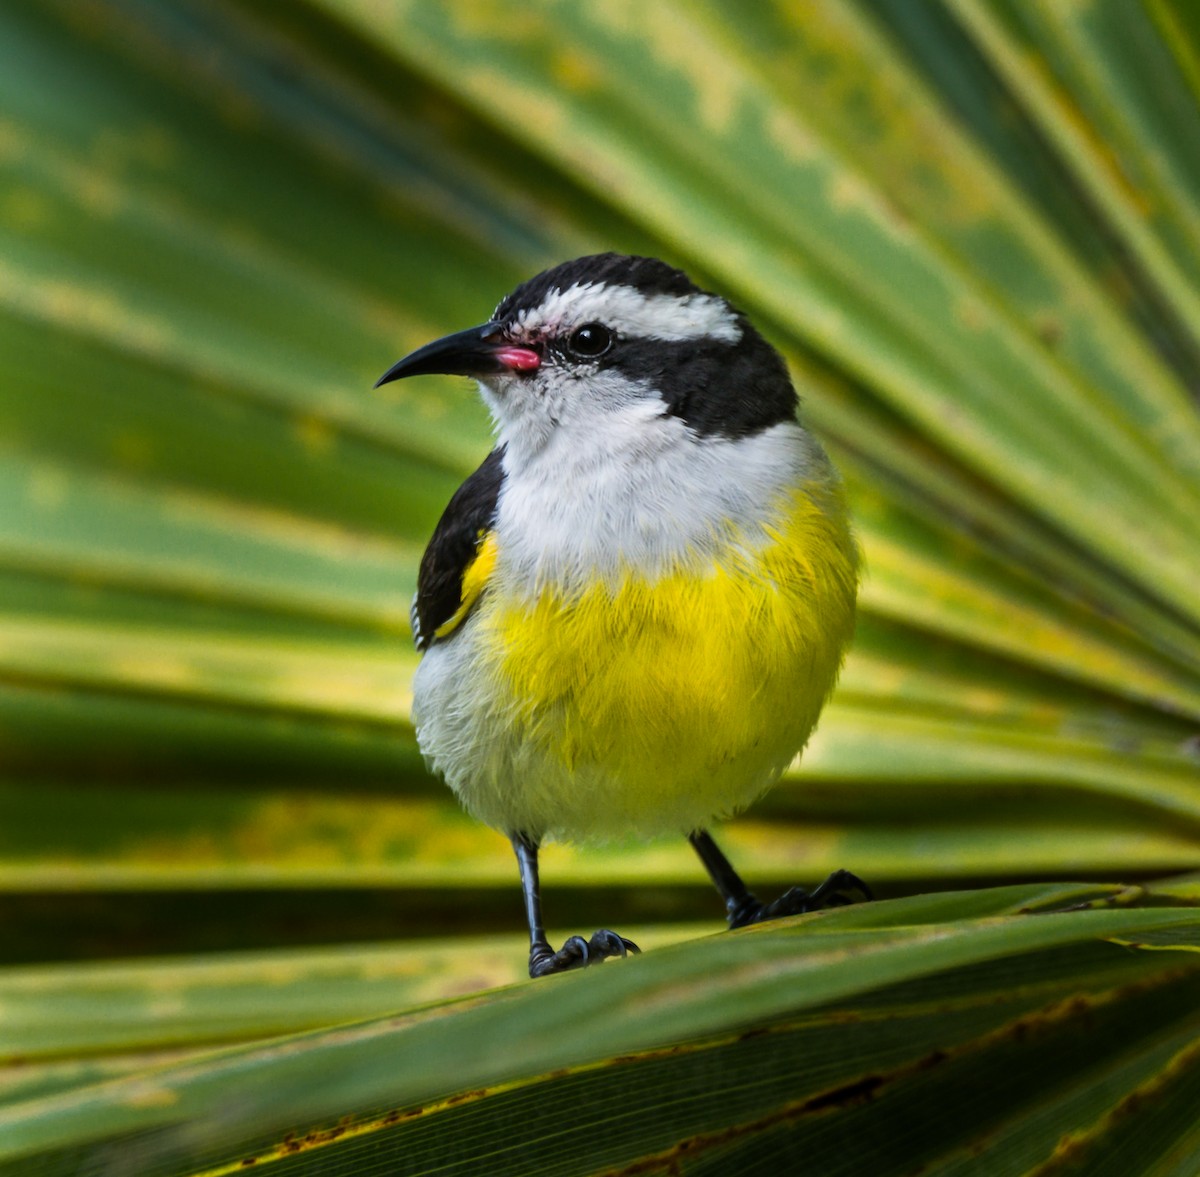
x=639, y=707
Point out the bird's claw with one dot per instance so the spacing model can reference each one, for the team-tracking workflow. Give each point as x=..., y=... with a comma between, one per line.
x=578, y=953
x=841, y=889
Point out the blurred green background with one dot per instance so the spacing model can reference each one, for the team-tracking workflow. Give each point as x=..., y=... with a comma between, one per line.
x=974, y=230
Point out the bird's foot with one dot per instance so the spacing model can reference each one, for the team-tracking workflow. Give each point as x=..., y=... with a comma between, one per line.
x=578, y=953
x=839, y=890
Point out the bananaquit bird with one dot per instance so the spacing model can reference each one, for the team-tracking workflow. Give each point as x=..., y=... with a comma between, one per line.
x=633, y=612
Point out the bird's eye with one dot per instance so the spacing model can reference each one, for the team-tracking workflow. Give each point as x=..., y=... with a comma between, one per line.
x=590, y=340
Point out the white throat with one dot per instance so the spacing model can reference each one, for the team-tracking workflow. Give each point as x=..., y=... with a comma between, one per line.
x=642, y=492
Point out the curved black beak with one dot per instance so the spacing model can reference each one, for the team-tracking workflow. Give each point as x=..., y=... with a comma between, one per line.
x=474, y=352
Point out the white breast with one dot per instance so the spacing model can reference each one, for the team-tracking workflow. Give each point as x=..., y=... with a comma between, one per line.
x=644, y=492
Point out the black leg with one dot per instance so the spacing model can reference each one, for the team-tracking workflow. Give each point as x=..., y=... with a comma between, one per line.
x=741, y=905
x=577, y=952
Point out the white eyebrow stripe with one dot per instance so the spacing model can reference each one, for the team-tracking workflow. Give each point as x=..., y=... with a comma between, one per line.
x=629, y=312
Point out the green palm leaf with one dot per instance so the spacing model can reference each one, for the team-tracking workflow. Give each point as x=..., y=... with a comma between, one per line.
x=974, y=231
x=827, y=1039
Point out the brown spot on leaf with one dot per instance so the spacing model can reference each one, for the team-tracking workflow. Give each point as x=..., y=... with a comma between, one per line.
x=1049, y=330
x=848, y=1095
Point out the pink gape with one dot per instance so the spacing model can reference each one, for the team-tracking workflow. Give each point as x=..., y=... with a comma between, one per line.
x=520, y=359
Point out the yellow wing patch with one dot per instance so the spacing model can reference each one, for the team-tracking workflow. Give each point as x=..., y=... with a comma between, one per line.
x=475, y=578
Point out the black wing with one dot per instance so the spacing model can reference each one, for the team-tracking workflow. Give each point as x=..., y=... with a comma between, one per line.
x=466, y=520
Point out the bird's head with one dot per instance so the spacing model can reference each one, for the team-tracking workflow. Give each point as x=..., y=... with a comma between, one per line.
x=604, y=342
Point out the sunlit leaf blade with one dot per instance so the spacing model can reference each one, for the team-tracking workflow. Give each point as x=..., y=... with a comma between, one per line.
x=852, y=1041
x=167, y=1003
x=1112, y=71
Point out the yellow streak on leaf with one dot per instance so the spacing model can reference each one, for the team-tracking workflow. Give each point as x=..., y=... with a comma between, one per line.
x=315, y=434
x=147, y=1096
x=681, y=47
